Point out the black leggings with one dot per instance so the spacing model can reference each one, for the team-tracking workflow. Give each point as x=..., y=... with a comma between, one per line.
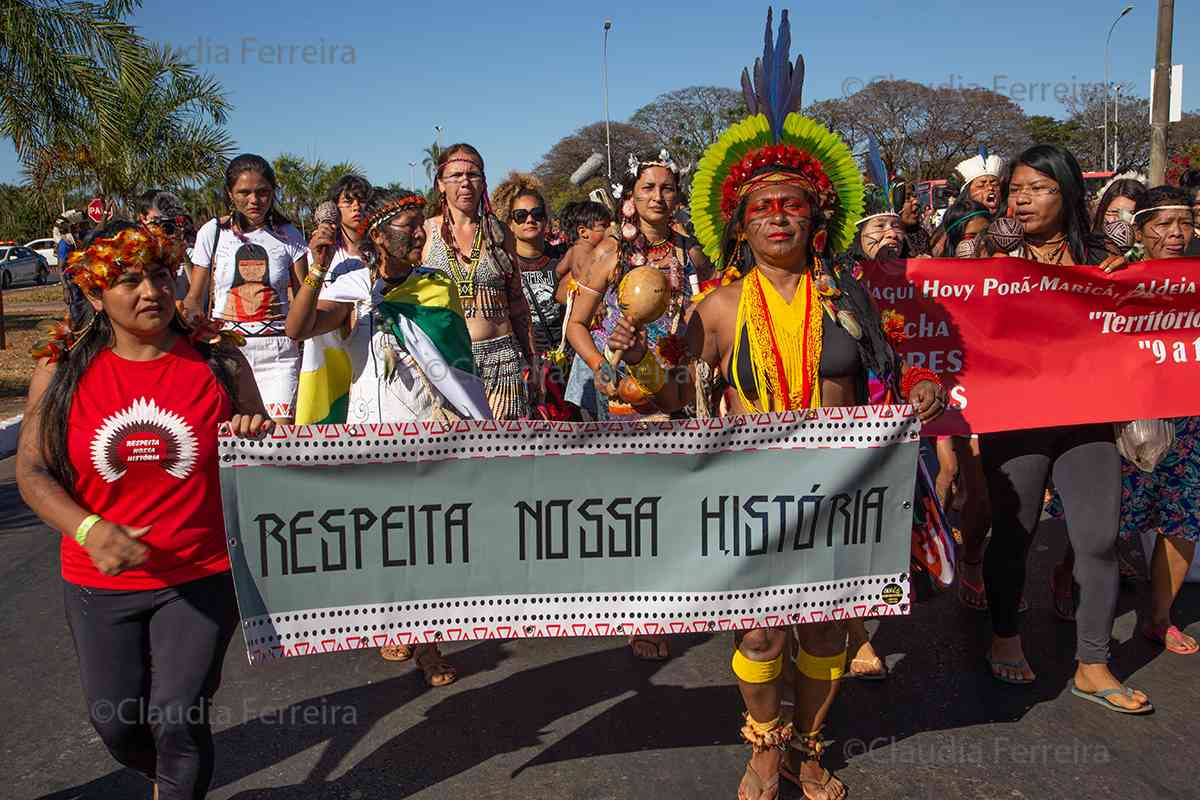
x=1086, y=469
x=150, y=661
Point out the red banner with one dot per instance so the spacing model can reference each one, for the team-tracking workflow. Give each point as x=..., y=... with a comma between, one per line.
x=1027, y=345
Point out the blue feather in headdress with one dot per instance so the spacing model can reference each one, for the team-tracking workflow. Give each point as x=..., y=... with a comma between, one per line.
x=778, y=85
x=983, y=153
x=877, y=170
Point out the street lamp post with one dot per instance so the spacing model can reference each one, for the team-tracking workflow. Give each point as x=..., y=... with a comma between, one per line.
x=1107, y=40
x=412, y=175
x=1117, y=129
x=607, y=132
x=438, y=130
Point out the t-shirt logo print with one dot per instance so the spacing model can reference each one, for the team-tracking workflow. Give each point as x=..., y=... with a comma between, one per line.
x=144, y=432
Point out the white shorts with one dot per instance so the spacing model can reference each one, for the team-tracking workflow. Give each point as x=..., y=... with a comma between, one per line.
x=276, y=364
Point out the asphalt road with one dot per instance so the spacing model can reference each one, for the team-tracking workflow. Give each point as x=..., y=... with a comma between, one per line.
x=579, y=718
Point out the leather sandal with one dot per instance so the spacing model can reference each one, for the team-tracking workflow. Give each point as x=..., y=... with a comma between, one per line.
x=810, y=746
x=438, y=671
x=753, y=786
x=396, y=652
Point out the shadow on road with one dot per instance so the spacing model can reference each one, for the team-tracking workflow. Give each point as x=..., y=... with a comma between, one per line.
x=941, y=683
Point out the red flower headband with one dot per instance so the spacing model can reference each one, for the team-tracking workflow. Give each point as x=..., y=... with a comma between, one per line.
x=97, y=267
x=795, y=167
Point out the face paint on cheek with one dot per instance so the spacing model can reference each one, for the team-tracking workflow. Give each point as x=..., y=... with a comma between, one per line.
x=789, y=207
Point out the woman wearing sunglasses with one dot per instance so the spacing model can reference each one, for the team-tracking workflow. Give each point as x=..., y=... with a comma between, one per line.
x=519, y=201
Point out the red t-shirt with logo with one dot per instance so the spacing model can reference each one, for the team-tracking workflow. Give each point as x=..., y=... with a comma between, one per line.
x=142, y=436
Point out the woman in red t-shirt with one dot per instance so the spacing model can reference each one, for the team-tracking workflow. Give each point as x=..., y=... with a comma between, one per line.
x=119, y=452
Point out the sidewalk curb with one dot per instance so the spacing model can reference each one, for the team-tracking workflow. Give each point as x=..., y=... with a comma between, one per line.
x=10, y=429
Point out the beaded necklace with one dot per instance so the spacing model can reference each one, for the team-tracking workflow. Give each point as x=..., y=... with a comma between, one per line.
x=464, y=277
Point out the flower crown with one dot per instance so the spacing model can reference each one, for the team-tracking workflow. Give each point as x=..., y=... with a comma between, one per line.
x=389, y=211
x=98, y=266
x=636, y=166
x=781, y=163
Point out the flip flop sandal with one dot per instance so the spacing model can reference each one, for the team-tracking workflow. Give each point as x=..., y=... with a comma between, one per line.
x=1171, y=638
x=973, y=596
x=763, y=790
x=1018, y=666
x=1066, y=612
x=1100, y=699
x=661, y=650
x=794, y=778
x=869, y=675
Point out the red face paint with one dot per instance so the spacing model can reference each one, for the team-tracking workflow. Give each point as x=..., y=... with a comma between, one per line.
x=791, y=207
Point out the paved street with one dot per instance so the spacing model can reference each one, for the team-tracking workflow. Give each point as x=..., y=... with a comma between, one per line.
x=581, y=719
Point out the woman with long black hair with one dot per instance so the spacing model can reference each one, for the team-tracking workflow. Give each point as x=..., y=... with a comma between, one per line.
x=1117, y=201
x=254, y=260
x=1045, y=194
x=118, y=451
x=649, y=196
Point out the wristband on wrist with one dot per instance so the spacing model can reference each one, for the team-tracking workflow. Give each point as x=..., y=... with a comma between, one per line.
x=84, y=527
x=916, y=375
x=648, y=373
x=315, y=278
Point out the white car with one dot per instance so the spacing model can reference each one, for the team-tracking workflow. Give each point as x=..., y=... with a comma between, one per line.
x=47, y=249
x=19, y=264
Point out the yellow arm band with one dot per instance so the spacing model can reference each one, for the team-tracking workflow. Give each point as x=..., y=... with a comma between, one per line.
x=84, y=527
x=649, y=374
x=314, y=279
x=821, y=668
x=756, y=671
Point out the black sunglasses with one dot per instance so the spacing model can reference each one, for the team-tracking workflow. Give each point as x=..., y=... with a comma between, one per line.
x=168, y=225
x=521, y=214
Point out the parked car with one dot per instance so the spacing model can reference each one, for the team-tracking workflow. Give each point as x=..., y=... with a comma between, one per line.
x=19, y=264
x=47, y=249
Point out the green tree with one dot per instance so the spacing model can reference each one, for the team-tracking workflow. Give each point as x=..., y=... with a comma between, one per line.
x=429, y=162
x=57, y=60
x=1048, y=130
x=687, y=121
x=304, y=184
x=171, y=133
x=23, y=215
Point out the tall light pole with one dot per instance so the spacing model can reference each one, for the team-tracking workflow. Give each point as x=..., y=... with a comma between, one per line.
x=1107, y=40
x=438, y=130
x=1117, y=129
x=412, y=175
x=607, y=132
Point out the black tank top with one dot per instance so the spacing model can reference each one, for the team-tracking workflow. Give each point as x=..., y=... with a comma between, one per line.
x=840, y=358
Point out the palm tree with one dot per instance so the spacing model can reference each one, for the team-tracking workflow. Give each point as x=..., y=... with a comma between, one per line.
x=57, y=62
x=170, y=134
x=304, y=184
x=432, y=154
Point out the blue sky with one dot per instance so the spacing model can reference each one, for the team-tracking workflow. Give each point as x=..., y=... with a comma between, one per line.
x=514, y=77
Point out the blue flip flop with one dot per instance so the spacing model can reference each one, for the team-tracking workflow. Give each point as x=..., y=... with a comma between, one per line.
x=1016, y=665
x=1099, y=698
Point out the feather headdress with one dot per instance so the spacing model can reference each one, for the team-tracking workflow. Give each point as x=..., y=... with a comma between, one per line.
x=974, y=167
x=880, y=199
x=775, y=144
